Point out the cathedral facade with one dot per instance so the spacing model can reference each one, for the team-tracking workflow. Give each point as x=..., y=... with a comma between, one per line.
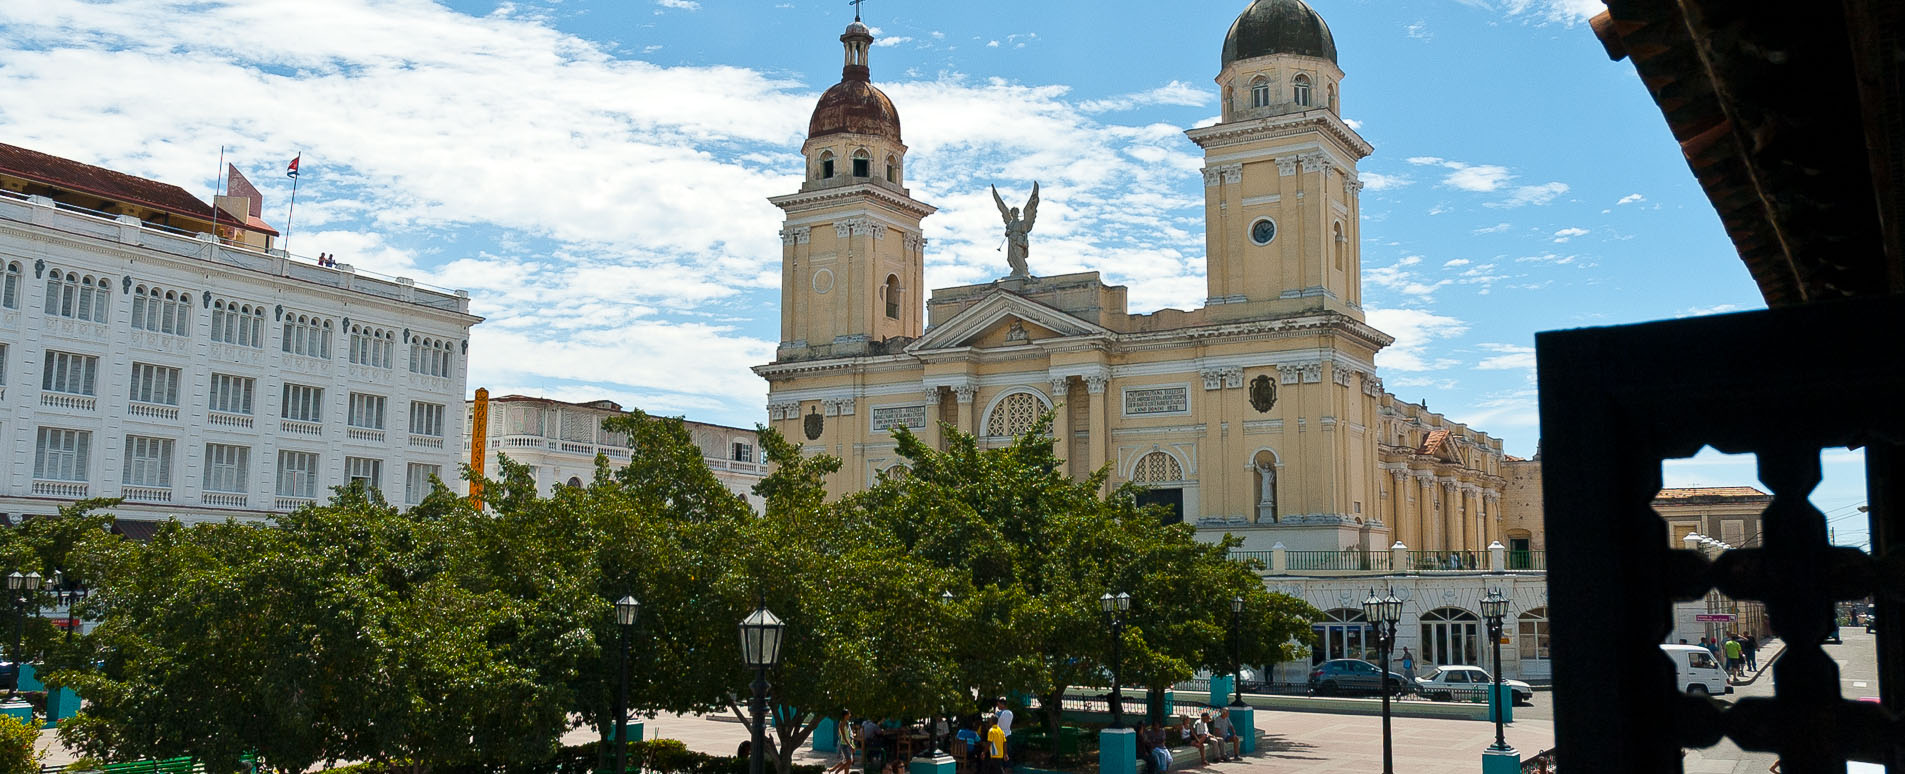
x=1261, y=414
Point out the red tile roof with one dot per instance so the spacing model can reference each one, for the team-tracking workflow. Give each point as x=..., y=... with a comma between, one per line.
x=1434, y=443
x=99, y=181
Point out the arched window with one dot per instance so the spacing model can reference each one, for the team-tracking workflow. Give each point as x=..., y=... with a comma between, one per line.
x=80, y=298
x=429, y=357
x=1331, y=91
x=826, y=165
x=1157, y=468
x=896, y=471
x=1260, y=92
x=11, y=297
x=1337, y=245
x=862, y=163
x=1533, y=633
x=1343, y=633
x=892, y=170
x=371, y=346
x=161, y=311
x=892, y=297
x=1264, y=464
x=1014, y=415
x=575, y=482
x=1451, y=635
x=1300, y=89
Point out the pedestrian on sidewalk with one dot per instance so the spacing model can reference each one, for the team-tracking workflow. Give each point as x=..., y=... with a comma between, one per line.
x=995, y=756
x=1155, y=750
x=844, y=733
x=1751, y=648
x=1408, y=667
x=1734, y=658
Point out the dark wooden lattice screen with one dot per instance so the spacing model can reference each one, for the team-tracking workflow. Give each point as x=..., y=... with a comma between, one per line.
x=1784, y=385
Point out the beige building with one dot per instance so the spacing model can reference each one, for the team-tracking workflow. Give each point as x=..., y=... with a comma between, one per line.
x=559, y=440
x=1260, y=413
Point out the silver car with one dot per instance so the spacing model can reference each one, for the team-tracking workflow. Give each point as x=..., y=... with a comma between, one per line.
x=1467, y=683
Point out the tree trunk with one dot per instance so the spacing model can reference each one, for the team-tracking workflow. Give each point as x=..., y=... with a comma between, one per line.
x=1053, y=705
x=792, y=732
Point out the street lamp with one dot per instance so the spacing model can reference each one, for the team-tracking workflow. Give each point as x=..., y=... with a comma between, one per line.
x=1236, y=656
x=1385, y=613
x=1494, y=609
x=1115, y=606
x=70, y=593
x=627, y=611
x=761, y=649
x=946, y=598
x=25, y=588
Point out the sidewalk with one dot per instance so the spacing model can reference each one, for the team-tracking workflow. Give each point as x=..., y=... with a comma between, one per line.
x=1769, y=652
x=1294, y=742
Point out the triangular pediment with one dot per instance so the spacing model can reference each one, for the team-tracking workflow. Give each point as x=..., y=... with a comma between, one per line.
x=1004, y=319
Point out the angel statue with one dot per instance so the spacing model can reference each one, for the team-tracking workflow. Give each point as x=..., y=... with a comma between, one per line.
x=1017, y=231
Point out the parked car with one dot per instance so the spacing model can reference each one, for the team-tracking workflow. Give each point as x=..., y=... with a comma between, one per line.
x=1696, y=671
x=9, y=673
x=1353, y=677
x=1449, y=683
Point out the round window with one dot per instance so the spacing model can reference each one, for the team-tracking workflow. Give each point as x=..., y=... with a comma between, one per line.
x=1263, y=231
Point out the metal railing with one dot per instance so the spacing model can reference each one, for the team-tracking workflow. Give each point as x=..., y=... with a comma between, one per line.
x=1337, y=560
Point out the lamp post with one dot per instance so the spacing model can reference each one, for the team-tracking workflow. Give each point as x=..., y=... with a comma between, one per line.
x=761, y=649
x=1385, y=613
x=1236, y=654
x=1494, y=609
x=1114, y=607
x=627, y=611
x=70, y=593
x=25, y=588
x=946, y=598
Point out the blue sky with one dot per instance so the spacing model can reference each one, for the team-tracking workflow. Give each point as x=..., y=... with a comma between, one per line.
x=595, y=171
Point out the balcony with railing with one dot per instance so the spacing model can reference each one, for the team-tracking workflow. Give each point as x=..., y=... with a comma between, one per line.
x=293, y=503
x=153, y=411
x=306, y=429
x=47, y=488
x=1395, y=561
x=146, y=494
x=366, y=434
x=426, y=442
x=220, y=419
x=65, y=401
x=225, y=499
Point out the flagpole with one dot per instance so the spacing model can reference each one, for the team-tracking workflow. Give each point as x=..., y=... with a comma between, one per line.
x=215, y=189
x=294, y=205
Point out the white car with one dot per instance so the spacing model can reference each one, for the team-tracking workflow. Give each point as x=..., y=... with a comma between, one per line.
x=1467, y=683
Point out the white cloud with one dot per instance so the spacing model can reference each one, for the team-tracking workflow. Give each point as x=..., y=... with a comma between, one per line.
x=1354, y=124
x=1174, y=93
x=1566, y=234
x=891, y=41
x=1632, y=198
x=1508, y=357
x=1377, y=181
x=1495, y=229
x=1702, y=311
x=1563, y=12
x=1418, y=30
x=1414, y=330
x=1558, y=260
x=685, y=5
x=1532, y=194
x=614, y=230
x=1450, y=264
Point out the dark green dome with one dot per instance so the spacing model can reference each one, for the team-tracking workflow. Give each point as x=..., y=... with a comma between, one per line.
x=1278, y=27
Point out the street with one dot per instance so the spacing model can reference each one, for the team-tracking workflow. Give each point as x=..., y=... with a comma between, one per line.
x=1858, y=674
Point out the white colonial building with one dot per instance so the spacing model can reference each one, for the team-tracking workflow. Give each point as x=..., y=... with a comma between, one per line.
x=204, y=378
x=559, y=440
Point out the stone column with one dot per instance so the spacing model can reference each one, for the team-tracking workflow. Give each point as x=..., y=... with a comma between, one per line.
x=1100, y=440
x=1062, y=420
x=964, y=394
x=930, y=434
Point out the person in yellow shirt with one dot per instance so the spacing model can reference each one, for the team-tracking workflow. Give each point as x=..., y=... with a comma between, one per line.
x=994, y=762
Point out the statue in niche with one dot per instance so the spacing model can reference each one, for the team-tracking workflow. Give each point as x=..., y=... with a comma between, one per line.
x=1263, y=394
x=1265, y=466
x=1018, y=229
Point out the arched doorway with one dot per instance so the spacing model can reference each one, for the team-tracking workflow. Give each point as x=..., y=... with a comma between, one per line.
x=1451, y=635
x=1531, y=634
x=1163, y=477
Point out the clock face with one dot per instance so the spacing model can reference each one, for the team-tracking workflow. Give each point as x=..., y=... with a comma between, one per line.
x=1263, y=231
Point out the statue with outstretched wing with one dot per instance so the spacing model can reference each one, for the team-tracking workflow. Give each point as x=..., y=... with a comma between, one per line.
x=1018, y=229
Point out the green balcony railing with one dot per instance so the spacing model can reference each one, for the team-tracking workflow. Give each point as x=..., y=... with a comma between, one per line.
x=1336, y=561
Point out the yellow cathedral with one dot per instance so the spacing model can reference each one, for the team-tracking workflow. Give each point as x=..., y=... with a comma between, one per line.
x=1260, y=414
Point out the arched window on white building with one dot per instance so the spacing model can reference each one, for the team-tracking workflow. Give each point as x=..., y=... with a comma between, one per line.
x=1260, y=92
x=1300, y=89
x=1343, y=633
x=1451, y=635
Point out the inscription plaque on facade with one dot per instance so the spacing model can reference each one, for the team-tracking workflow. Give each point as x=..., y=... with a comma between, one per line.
x=1157, y=400
x=898, y=416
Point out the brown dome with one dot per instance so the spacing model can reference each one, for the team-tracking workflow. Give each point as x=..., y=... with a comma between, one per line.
x=855, y=106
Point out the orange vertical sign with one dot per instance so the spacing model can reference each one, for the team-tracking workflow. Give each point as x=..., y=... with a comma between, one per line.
x=479, y=433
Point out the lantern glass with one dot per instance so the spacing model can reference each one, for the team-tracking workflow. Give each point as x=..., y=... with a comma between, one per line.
x=1495, y=605
x=1108, y=603
x=1372, y=607
x=1391, y=609
x=1124, y=601
x=761, y=638
x=16, y=581
x=32, y=581
x=627, y=611
x=946, y=596
x=1236, y=604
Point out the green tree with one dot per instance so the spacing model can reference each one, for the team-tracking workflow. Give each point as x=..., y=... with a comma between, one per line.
x=18, y=752
x=1033, y=550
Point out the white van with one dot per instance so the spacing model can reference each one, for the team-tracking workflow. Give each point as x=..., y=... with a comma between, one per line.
x=1696, y=671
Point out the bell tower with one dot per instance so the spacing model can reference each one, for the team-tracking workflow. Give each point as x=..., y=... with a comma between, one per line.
x=852, y=257
x=1281, y=194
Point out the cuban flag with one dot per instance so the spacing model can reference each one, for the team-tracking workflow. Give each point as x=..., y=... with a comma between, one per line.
x=292, y=171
